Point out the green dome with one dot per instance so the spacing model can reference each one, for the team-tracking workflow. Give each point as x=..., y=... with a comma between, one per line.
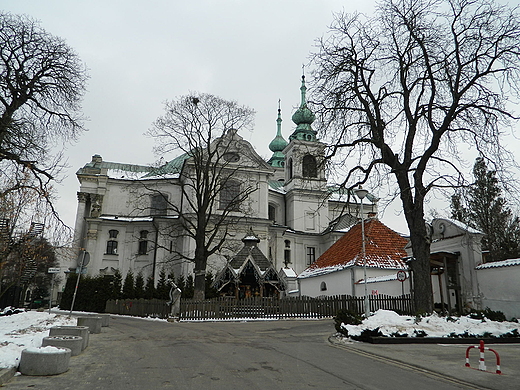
x=303, y=118
x=278, y=144
x=303, y=115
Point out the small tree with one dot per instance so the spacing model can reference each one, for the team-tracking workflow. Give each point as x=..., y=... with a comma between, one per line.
x=149, y=289
x=189, y=290
x=117, y=285
x=128, y=286
x=162, y=290
x=181, y=284
x=397, y=93
x=139, y=286
x=482, y=207
x=211, y=292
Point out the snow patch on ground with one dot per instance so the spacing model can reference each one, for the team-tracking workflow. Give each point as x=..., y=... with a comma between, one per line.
x=26, y=330
x=391, y=323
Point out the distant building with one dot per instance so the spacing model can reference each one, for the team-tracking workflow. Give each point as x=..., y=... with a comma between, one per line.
x=295, y=215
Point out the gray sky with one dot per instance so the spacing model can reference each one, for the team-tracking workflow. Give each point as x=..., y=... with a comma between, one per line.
x=141, y=53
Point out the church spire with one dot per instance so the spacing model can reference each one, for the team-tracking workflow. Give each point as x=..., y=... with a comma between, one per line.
x=303, y=118
x=278, y=144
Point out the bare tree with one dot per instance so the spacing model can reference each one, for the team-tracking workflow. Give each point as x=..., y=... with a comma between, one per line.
x=405, y=89
x=42, y=82
x=214, y=195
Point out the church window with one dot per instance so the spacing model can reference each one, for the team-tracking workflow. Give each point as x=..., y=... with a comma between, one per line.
x=323, y=286
x=111, y=247
x=311, y=255
x=290, y=168
x=159, y=204
x=271, y=210
x=287, y=256
x=310, y=168
x=287, y=253
x=229, y=195
x=143, y=242
x=113, y=233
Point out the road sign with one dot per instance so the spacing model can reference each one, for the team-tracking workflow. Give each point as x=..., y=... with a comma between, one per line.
x=54, y=270
x=83, y=259
x=401, y=276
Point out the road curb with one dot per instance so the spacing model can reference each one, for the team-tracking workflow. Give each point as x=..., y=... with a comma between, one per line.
x=441, y=340
x=6, y=374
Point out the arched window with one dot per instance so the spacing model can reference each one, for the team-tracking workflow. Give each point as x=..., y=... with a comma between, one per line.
x=290, y=168
x=323, y=286
x=112, y=243
x=310, y=168
x=287, y=253
x=271, y=211
x=143, y=242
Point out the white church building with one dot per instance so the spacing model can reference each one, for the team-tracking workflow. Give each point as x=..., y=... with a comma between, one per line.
x=294, y=213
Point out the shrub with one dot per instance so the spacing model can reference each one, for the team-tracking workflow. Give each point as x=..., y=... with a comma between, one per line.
x=367, y=334
x=346, y=317
x=491, y=315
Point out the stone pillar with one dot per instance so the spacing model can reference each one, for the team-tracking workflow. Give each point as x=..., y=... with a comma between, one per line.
x=79, y=226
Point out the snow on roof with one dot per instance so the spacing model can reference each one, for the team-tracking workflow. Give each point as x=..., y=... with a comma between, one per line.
x=499, y=264
x=289, y=272
x=384, y=249
x=136, y=219
x=126, y=219
x=277, y=186
x=463, y=226
x=382, y=278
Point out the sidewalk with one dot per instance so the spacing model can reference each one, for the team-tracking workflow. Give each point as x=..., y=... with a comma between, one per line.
x=449, y=360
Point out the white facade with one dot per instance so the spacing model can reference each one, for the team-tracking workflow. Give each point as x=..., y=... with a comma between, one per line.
x=455, y=253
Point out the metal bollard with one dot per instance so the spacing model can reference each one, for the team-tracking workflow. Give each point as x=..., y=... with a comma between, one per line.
x=482, y=364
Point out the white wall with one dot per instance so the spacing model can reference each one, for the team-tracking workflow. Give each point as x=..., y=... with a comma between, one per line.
x=500, y=289
x=344, y=283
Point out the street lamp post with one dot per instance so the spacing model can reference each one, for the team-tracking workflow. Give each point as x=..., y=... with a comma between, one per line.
x=361, y=193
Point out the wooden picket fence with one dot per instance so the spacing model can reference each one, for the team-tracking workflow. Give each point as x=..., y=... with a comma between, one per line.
x=226, y=308
x=298, y=307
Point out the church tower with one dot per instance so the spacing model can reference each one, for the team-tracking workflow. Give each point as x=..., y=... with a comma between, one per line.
x=305, y=180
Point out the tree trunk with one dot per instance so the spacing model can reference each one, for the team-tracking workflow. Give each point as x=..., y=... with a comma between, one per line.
x=420, y=266
x=420, y=240
x=199, y=284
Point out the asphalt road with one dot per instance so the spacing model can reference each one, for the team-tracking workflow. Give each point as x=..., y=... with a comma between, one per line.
x=142, y=354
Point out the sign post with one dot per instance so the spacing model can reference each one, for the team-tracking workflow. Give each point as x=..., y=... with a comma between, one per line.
x=52, y=271
x=83, y=260
x=401, y=276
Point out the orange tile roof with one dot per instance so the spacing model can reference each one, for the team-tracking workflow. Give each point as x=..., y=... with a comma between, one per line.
x=384, y=248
